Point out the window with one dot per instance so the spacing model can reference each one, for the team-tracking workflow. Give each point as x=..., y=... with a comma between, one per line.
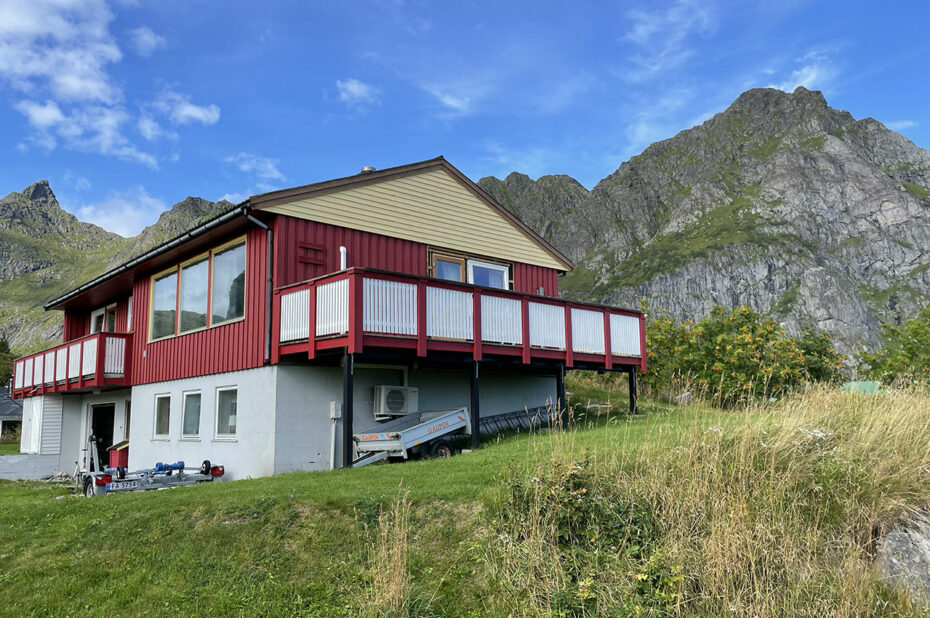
x=162, y=415
x=103, y=320
x=229, y=284
x=489, y=275
x=164, y=305
x=226, y=412
x=190, y=425
x=204, y=292
x=450, y=269
x=195, y=281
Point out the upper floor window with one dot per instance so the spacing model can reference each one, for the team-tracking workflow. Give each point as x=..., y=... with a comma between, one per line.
x=103, y=320
x=206, y=291
x=488, y=274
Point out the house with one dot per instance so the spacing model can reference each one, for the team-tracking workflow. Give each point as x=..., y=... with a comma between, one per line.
x=11, y=413
x=263, y=338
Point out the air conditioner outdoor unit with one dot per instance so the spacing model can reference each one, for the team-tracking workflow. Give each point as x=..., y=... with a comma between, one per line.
x=393, y=401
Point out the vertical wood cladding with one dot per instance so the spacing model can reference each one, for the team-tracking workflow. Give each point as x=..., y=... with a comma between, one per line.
x=230, y=347
x=77, y=323
x=307, y=249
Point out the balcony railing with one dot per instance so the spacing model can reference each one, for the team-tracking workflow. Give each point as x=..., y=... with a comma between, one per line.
x=358, y=308
x=95, y=361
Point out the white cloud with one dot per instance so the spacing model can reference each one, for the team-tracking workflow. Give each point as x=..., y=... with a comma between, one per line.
x=124, y=212
x=151, y=130
x=263, y=169
x=235, y=198
x=41, y=116
x=459, y=103
x=900, y=125
x=180, y=110
x=663, y=36
x=815, y=73
x=355, y=93
x=146, y=41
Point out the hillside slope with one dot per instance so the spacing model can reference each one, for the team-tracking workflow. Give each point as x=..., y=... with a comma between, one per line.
x=780, y=202
x=45, y=251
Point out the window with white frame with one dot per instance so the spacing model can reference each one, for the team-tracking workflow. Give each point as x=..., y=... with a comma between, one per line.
x=162, y=415
x=103, y=320
x=226, y=404
x=465, y=269
x=190, y=422
x=488, y=275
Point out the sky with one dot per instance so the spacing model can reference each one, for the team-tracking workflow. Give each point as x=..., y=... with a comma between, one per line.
x=127, y=106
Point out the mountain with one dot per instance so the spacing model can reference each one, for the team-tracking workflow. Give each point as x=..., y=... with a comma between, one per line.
x=779, y=202
x=46, y=251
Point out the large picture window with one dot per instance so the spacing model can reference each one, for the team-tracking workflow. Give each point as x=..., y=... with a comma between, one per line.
x=204, y=292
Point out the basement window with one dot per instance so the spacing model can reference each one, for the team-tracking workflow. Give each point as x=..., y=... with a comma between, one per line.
x=190, y=424
x=162, y=415
x=226, y=412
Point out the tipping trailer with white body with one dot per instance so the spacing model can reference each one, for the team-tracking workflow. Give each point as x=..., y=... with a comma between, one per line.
x=418, y=433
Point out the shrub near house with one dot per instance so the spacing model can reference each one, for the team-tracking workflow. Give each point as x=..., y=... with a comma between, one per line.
x=906, y=351
x=735, y=355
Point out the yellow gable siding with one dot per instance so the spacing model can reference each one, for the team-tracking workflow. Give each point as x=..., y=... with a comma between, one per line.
x=430, y=207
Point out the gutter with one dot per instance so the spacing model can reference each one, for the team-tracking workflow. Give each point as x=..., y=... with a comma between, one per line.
x=242, y=209
x=269, y=285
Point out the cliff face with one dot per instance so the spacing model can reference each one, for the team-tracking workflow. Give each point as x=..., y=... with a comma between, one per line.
x=779, y=202
x=45, y=251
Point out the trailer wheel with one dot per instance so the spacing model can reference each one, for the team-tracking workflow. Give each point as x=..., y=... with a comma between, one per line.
x=441, y=448
x=205, y=467
x=88, y=487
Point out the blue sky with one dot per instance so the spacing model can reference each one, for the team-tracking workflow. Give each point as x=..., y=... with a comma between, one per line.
x=129, y=106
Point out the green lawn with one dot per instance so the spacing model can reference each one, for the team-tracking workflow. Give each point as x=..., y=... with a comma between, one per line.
x=9, y=449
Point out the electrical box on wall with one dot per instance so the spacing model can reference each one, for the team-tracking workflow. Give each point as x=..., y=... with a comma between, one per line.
x=335, y=410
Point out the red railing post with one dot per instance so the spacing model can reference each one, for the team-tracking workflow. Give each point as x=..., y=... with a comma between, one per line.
x=101, y=359
x=608, y=355
x=476, y=324
x=81, y=362
x=525, y=327
x=421, y=318
x=127, y=360
x=356, y=305
x=311, y=333
x=569, y=352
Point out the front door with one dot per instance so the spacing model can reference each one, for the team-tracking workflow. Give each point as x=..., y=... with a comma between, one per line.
x=101, y=425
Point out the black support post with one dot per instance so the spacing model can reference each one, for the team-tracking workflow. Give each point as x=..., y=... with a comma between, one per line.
x=560, y=395
x=475, y=407
x=633, y=393
x=348, y=404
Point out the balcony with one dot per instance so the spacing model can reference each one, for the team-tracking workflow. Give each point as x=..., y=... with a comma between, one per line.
x=96, y=361
x=359, y=309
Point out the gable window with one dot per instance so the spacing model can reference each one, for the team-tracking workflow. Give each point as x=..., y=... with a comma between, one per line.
x=206, y=291
x=465, y=269
x=190, y=424
x=162, y=415
x=226, y=404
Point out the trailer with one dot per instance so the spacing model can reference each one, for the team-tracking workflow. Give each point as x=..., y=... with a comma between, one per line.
x=93, y=480
x=429, y=434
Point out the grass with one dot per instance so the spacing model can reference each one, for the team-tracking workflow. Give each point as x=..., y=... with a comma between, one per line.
x=921, y=193
x=688, y=511
x=11, y=448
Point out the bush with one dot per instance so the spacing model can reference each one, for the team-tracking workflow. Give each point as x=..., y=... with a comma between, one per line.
x=735, y=355
x=905, y=354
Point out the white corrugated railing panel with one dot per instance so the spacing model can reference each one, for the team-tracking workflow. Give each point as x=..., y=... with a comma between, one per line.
x=332, y=308
x=50, y=367
x=114, y=360
x=390, y=307
x=18, y=380
x=61, y=360
x=587, y=331
x=547, y=326
x=89, y=362
x=38, y=364
x=295, y=315
x=624, y=335
x=27, y=373
x=501, y=320
x=74, y=358
x=449, y=314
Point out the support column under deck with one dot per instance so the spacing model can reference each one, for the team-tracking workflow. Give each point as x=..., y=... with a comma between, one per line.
x=348, y=402
x=560, y=395
x=475, y=408
x=633, y=394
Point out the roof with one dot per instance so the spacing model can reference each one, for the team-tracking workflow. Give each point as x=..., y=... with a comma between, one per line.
x=108, y=285
x=312, y=191
x=9, y=408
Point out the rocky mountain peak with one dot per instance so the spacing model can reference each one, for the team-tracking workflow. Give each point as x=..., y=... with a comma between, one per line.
x=39, y=191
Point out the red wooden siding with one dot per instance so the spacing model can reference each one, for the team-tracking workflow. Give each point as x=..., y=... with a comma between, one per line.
x=77, y=323
x=306, y=250
x=231, y=347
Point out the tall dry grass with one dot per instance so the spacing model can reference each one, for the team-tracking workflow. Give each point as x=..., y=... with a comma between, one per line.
x=770, y=510
x=390, y=576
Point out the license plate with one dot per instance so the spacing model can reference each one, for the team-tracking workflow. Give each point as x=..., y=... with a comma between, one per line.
x=117, y=485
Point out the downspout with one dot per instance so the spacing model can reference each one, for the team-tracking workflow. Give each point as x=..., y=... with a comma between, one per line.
x=269, y=285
